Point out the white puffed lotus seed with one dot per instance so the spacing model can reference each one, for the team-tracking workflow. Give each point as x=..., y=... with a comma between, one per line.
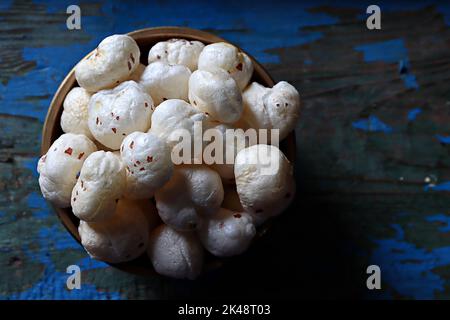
x=59, y=167
x=122, y=237
x=74, y=118
x=115, y=113
x=177, y=51
x=227, y=233
x=264, y=180
x=271, y=108
x=193, y=192
x=114, y=60
x=233, y=141
x=172, y=115
x=228, y=57
x=101, y=184
x=215, y=93
x=232, y=202
x=148, y=163
x=163, y=81
x=175, y=254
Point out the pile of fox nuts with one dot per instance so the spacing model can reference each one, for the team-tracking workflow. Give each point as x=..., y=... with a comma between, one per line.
x=113, y=163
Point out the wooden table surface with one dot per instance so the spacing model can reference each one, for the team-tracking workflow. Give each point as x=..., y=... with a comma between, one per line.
x=373, y=169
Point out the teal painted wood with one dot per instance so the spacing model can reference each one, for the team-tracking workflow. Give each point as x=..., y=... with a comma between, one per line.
x=373, y=166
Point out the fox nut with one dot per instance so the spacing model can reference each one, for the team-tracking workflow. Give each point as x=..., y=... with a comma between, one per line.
x=165, y=81
x=174, y=115
x=264, y=180
x=59, y=167
x=175, y=254
x=114, y=60
x=148, y=164
x=232, y=141
x=101, y=184
x=227, y=233
x=177, y=51
x=228, y=57
x=122, y=237
x=271, y=108
x=115, y=113
x=193, y=192
x=215, y=93
x=74, y=118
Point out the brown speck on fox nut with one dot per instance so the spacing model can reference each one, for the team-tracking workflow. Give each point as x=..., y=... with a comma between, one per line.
x=131, y=144
x=117, y=81
x=121, y=148
x=129, y=65
x=239, y=67
x=74, y=199
x=195, y=103
x=237, y=215
x=77, y=175
x=131, y=57
x=76, y=192
x=96, y=121
x=277, y=104
x=80, y=155
x=146, y=104
x=114, y=130
x=138, y=162
x=165, y=51
x=149, y=159
x=135, y=165
x=82, y=183
x=55, y=149
x=124, y=134
x=68, y=151
x=164, y=99
x=158, y=56
x=142, y=169
x=112, y=114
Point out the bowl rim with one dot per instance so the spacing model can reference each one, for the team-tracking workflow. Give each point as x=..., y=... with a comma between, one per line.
x=52, y=123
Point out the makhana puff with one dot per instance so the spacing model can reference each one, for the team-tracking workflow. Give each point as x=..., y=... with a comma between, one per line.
x=177, y=51
x=215, y=93
x=194, y=191
x=165, y=81
x=227, y=233
x=174, y=115
x=101, y=184
x=271, y=108
x=148, y=164
x=115, y=113
x=59, y=167
x=229, y=58
x=175, y=254
x=114, y=60
x=74, y=118
x=122, y=237
x=264, y=180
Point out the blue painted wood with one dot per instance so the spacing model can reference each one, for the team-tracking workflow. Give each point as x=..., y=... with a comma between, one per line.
x=373, y=173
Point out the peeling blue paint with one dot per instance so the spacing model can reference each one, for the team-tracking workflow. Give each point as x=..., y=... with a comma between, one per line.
x=442, y=218
x=444, y=186
x=443, y=139
x=38, y=205
x=413, y=113
x=407, y=269
x=372, y=124
x=390, y=51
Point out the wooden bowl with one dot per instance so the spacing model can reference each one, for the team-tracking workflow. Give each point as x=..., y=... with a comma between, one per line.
x=145, y=39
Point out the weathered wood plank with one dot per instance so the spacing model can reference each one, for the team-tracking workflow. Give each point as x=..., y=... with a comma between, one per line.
x=373, y=158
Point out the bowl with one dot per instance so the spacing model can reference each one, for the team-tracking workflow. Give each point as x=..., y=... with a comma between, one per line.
x=145, y=39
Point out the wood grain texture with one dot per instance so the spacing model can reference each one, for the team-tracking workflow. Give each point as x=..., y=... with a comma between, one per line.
x=373, y=152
